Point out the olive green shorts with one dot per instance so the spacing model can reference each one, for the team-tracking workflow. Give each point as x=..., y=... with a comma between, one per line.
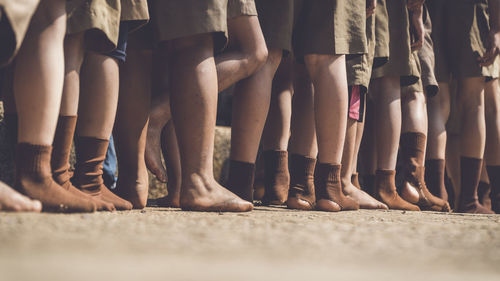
x=276, y=19
x=381, y=55
x=182, y=18
x=359, y=68
x=402, y=61
x=426, y=58
x=236, y=8
x=333, y=27
x=460, y=32
x=15, y=17
x=99, y=19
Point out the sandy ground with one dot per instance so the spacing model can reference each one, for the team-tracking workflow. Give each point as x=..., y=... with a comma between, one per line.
x=267, y=244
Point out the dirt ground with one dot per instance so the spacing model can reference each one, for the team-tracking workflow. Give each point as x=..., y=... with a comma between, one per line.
x=266, y=244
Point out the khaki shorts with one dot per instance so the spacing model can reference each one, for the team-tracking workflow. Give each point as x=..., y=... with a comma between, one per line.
x=15, y=17
x=402, y=61
x=334, y=27
x=99, y=19
x=381, y=55
x=236, y=8
x=460, y=32
x=175, y=19
x=426, y=58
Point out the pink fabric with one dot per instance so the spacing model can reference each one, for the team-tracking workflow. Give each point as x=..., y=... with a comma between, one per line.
x=355, y=102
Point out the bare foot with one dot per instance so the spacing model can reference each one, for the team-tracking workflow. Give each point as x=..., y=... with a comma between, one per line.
x=473, y=208
x=133, y=189
x=158, y=118
x=199, y=193
x=13, y=201
x=364, y=200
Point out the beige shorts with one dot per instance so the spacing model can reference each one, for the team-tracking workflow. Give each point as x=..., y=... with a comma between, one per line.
x=15, y=17
x=236, y=8
x=427, y=60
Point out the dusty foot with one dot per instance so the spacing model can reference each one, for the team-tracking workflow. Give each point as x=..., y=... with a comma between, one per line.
x=13, y=201
x=473, y=208
x=364, y=200
x=158, y=118
x=200, y=193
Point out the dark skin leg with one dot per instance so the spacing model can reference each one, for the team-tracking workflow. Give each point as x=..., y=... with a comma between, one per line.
x=194, y=100
x=246, y=53
x=131, y=128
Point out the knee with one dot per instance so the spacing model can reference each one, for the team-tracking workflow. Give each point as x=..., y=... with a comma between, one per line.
x=413, y=96
x=258, y=56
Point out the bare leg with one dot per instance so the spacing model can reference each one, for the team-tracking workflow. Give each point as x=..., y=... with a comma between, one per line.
x=303, y=145
x=277, y=128
x=328, y=74
x=159, y=114
x=364, y=200
x=388, y=121
x=472, y=142
x=245, y=54
x=172, y=158
x=492, y=153
x=65, y=131
x=412, y=149
x=194, y=99
x=277, y=133
x=251, y=99
x=438, y=112
x=97, y=110
x=131, y=127
x=41, y=62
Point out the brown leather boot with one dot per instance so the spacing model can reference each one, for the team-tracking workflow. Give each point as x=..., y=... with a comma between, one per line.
x=470, y=174
x=241, y=179
x=301, y=194
x=61, y=151
x=435, y=170
x=329, y=187
x=413, y=188
x=34, y=179
x=90, y=155
x=385, y=191
x=277, y=177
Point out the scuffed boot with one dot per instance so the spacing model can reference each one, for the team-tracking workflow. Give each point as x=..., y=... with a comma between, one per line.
x=277, y=177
